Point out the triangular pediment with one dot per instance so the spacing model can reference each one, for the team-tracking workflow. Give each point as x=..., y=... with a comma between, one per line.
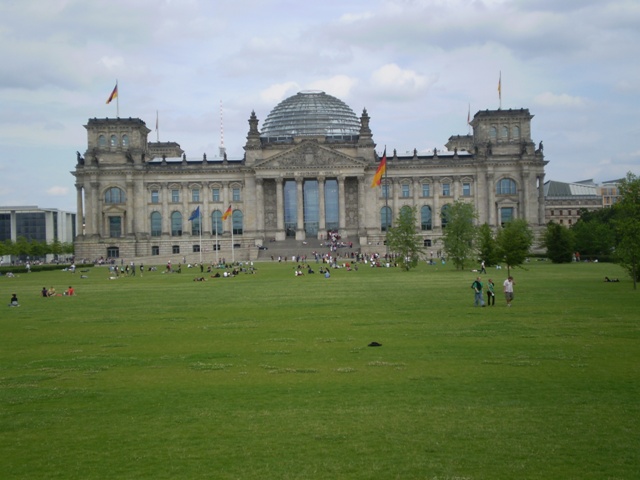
x=310, y=155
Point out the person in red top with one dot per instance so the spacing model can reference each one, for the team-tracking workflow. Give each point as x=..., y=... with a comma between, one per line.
x=70, y=291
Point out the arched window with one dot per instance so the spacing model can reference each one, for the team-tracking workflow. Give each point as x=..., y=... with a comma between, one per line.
x=493, y=133
x=425, y=218
x=216, y=222
x=195, y=226
x=114, y=195
x=505, y=132
x=515, y=132
x=102, y=141
x=506, y=186
x=156, y=224
x=176, y=224
x=125, y=140
x=114, y=141
x=385, y=218
x=444, y=215
x=236, y=220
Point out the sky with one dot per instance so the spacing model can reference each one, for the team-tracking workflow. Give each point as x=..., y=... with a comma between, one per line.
x=417, y=66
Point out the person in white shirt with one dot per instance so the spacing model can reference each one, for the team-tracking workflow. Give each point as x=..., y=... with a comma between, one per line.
x=508, y=290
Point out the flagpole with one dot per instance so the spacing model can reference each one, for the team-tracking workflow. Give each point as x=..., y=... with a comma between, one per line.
x=200, y=228
x=500, y=90
x=117, y=100
x=157, y=128
x=386, y=204
x=217, y=262
x=233, y=249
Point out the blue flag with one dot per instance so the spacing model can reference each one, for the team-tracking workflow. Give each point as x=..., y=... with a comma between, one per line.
x=195, y=214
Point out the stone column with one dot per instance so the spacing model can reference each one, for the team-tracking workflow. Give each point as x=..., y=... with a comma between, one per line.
x=541, y=199
x=456, y=188
x=415, y=189
x=361, y=208
x=260, y=207
x=491, y=207
x=184, y=193
x=280, y=206
x=436, y=221
x=322, y=220
x=299, y=209
x=524, y=196
x=96, y=227
x=166, y=216
x=80, y=210
x=129, y=212
x=341, y=205
x=205, y=214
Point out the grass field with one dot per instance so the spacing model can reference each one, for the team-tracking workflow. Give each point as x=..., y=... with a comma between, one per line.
x=269, y=376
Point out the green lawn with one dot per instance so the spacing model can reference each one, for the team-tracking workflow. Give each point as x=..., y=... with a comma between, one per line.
x=269, y=376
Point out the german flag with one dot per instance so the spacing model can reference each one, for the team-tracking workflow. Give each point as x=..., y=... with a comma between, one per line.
x=113, y=95
x=382, y=168
x=227, y=213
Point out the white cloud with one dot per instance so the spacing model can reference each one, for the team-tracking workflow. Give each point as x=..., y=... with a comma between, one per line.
x=394, y=80
x=58, y=191
x=339, y=86
x=548, y=99
x=276, y=93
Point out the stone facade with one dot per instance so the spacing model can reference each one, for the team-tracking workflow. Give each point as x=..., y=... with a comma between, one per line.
x=137, y=197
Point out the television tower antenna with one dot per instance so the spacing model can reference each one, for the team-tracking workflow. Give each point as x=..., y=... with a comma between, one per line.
x=222, y=150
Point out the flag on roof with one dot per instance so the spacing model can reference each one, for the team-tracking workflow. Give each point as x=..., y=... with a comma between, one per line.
x=113, y=95
x=382, y=168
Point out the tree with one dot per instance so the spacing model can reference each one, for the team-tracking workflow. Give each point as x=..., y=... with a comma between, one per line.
x=514, y=242
x=404, y=240
x=487, y=247
x=594, y=233
x=558, y=241
x=627, y=224
x=460, y=233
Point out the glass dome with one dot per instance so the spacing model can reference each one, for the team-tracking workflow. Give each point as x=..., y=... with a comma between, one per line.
x=311, y=113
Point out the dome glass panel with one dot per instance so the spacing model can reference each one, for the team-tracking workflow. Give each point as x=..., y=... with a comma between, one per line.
x=311, y=113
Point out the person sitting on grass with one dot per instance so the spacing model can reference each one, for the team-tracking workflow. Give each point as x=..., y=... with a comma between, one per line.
x=14, y=301
x=44, y=292
x=70, y=291
x=51, y=292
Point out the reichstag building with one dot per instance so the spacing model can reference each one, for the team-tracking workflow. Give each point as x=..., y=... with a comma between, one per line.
x=306, y=175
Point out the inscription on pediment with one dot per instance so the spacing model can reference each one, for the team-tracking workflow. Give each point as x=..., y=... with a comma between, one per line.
x=310, y=157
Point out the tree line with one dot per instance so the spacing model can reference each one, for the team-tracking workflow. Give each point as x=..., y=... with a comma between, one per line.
x=33, y=249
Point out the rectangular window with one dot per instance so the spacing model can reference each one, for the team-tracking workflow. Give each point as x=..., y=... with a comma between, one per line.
x=236, y=194
x=426, y=190
x=155, y=196
x=155, y=250
x=215, y=193
x=405, y=191
x=115, y=227
x=466, y=189
x=196, y=248
x=175, y=249
x=175, y=196
x=195, y=195
x=216, y=246
x=427, y=242
x=385, y=191
x=446, y=189
x=506, y=215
